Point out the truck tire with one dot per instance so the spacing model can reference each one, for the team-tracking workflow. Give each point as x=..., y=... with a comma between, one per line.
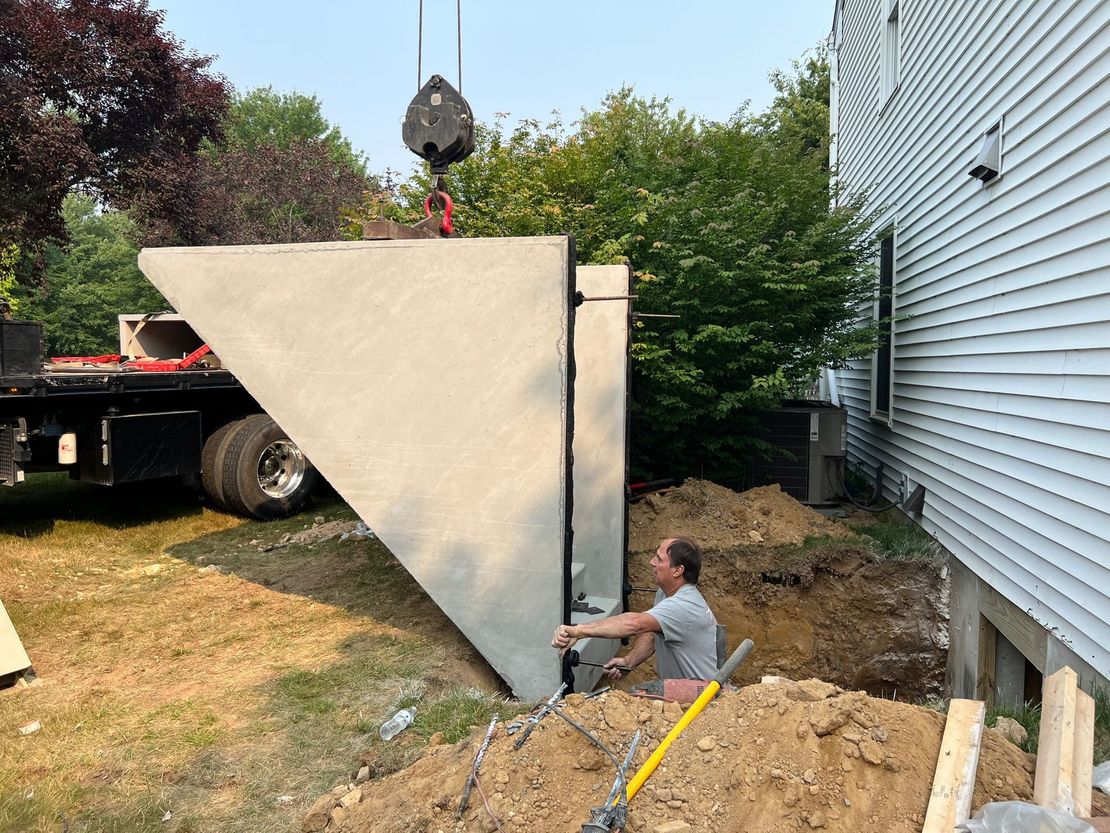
x=265, y=475
x=212, y=462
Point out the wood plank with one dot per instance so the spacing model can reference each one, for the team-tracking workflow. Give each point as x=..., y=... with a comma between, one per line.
x=1101, y=824
x=954, y=779
x=988, y=645
x=1084, y=760
x=1052, y=786
x=1023, y=631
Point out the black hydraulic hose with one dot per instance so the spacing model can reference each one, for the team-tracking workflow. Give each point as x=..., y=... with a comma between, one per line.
x=874, y=495
x=592, y=739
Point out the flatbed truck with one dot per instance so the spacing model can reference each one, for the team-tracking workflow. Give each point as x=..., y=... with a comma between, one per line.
x=110, y=423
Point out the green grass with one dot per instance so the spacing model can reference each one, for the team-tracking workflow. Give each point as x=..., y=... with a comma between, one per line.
x=201, y=694
x=459, y=711
x=897, y=541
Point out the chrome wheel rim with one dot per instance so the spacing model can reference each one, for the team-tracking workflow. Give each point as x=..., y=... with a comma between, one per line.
x=281, y=469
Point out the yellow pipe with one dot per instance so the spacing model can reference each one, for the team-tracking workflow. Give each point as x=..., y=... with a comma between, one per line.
x=723, y=676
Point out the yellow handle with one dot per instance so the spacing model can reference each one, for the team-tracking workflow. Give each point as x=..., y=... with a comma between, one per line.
x=651, y=763
x=723, y=676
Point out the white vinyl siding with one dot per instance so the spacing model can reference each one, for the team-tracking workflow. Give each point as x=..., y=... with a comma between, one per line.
x=1001, y=397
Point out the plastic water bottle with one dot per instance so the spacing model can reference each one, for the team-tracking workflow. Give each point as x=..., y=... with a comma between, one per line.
x=392, y=727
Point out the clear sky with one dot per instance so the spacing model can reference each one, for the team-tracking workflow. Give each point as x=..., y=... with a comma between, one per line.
x=521, y=57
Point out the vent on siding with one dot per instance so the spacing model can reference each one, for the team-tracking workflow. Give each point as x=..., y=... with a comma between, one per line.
x=989, y=161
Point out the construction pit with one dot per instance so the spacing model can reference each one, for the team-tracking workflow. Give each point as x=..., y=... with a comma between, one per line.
x=838, y=744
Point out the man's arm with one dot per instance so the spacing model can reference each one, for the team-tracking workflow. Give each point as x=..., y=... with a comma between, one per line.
x=614, y=627
x=641, y=649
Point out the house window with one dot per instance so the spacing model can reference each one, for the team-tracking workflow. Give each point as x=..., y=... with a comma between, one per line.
x=889, y=72
x=881, y=367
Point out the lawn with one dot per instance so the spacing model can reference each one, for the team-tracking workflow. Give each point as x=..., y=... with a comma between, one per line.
x=188, y=680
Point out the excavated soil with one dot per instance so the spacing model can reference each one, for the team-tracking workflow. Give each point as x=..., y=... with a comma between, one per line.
x=768, y=758
x=833, y=611
x=716, y=517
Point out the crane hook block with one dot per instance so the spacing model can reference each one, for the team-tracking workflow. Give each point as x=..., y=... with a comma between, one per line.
x=439, y=125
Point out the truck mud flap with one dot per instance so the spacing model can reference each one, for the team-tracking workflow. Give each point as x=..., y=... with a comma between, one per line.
x=13, y=451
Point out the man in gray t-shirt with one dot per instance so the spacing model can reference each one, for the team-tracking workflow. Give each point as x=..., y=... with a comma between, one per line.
x=679, y=629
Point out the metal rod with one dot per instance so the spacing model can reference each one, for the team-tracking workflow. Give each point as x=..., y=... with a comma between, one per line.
x=624, y=768
x=653, y=315
x=534, y=721
x=614, y=298
x=458, y=13
x=474, y=768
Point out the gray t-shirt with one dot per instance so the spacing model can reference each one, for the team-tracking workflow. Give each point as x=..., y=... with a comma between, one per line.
x=687, y=648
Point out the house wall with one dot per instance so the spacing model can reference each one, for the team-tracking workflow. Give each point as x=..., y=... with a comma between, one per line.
x=1001, y=365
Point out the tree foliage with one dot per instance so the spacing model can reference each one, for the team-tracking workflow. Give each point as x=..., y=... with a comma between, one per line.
x=263, y=117
x=89, y=282
x=9, y=257
x=268, y=194
x=281, y=174
x=728, y=226
x=93, y=93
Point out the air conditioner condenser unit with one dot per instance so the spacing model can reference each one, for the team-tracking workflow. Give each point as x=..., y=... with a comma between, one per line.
x=808, y=440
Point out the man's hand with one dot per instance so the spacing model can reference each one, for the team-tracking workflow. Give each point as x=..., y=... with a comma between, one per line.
x=563, y=638
x=617, y=667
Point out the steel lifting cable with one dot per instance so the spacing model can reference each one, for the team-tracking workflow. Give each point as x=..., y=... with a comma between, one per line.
x=420, y=47
x=420, y=43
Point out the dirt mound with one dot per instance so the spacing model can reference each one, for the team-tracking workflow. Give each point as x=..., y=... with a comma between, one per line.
x=718, y=518
x=767, y=758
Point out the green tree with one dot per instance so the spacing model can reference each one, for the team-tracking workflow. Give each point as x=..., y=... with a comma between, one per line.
x=9, y=258
x=96, y=94
x=89, y=283
x=281, y=174
x=263, y=116
x=729, y=227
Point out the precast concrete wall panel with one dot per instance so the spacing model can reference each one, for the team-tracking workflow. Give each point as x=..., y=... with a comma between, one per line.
x=600, y=454
x=431, y=383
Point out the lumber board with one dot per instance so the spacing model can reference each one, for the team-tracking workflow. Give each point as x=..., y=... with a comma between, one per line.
x=954, y=779
x=988, y=646
x=1084, y=761
x=1101, y=824
x=1052, y=785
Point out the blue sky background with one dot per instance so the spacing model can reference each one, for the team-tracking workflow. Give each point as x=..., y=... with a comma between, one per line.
x=525, y=57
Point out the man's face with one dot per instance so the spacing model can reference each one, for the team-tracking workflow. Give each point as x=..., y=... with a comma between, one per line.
x=661, y=564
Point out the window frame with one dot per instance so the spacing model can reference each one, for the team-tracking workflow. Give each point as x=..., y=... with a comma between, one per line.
x=890, y=55
x=887, y=278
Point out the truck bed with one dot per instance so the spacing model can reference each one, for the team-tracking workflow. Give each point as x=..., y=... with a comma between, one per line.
x=68, y=382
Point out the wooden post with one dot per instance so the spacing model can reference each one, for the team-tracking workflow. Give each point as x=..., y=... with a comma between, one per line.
x=1083, y=765
x=1065, y=747
x=954, y=779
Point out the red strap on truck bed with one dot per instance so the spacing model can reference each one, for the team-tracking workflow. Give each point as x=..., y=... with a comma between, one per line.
x=175, y=364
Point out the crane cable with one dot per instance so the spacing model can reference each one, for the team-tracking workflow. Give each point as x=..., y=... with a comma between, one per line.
x=420, y=43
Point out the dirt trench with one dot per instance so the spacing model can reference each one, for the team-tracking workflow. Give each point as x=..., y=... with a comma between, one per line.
x=835, y=610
